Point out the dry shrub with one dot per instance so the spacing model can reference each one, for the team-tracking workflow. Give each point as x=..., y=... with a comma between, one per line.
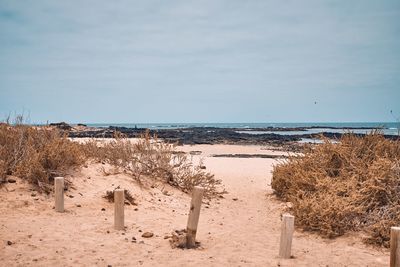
x=37, y=154
x=151, y=158
x=127, y=195
x=346, y=186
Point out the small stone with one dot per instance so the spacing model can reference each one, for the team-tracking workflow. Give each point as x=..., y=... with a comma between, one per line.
x=122, y=233
x=33, y=195
x=139, y=231
x=235, y=199
x=9, y=243
x=78, y=205
x=103, y=209
x=147, y=234
x=11, y=181
x=136, y=209
x=71, y=196
x=108, y=232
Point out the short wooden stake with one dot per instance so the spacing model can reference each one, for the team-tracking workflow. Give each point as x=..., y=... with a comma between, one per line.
x=119, y=216
x=59, y=194
x=194, y=215
x=285, y=249
x=395, y=247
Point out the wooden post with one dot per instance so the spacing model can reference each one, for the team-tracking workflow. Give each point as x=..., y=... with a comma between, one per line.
x=119, y=217
x=59, y=194
x=395, y=247
x=194, y=214
x=285, y=249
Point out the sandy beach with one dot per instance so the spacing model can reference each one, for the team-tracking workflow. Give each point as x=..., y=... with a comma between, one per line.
x=241, y=229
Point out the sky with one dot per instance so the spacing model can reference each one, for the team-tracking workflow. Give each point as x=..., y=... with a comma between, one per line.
x=200, y=61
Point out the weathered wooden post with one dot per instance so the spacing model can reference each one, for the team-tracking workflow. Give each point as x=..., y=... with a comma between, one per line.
x=59, y=194
x=285, y=249
x=119, y=216
x=194, y=214
x=395, y=247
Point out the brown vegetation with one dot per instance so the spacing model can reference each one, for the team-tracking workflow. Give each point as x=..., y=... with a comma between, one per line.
x=150, y=158
x=38, y=154
x=346, y=186
x=129, y=199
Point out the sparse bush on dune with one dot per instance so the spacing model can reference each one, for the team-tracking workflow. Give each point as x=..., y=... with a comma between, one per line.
x=346, y=186
x=38, y=154
x=149, y=158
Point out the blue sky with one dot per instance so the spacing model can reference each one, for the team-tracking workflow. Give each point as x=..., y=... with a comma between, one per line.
x=200, y=61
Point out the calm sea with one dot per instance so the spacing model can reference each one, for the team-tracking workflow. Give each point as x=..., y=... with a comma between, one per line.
x=389, y=128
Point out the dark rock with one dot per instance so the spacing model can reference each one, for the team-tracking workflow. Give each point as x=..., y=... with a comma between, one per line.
x=147, y=234
x=61, y=125
x=9, y=243
x=11, y=181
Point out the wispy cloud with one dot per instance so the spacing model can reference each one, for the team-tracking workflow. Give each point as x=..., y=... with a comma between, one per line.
x=200, y=60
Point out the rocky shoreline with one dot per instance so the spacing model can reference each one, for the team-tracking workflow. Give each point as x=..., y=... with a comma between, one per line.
x=204, y=135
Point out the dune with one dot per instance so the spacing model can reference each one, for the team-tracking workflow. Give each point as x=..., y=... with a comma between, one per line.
x=240, y=229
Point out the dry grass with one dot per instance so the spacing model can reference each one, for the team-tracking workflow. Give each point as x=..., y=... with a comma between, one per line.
x=37, y=155
x=129, y=199
x=353, y=185
x=149, y=158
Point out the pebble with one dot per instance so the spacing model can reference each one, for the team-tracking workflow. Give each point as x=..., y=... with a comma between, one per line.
x=147, y=234
x=10, y=180
x=103, y=209
x=9, y=243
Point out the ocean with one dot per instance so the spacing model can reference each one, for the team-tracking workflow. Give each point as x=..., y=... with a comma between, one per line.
x=388, y=128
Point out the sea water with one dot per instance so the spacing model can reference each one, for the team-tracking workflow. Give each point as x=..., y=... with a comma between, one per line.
x=388, y=128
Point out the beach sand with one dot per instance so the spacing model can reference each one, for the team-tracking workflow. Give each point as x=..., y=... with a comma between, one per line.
x=241, y=229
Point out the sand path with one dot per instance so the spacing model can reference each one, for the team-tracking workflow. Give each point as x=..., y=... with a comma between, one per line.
x=240, y=230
